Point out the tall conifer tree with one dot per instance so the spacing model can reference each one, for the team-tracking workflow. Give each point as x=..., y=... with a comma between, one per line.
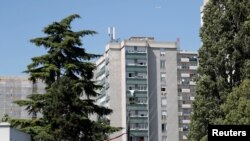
x=68, y=105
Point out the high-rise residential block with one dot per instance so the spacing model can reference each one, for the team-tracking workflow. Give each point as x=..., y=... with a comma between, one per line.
x=140, y=78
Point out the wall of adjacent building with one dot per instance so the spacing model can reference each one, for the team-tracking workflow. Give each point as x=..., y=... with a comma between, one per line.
x=10, y=134
x=14, y=88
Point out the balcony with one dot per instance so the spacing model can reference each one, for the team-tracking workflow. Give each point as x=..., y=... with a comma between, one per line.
x=101, y=82
x=106, y=61
x=192, y=98
x=180, y=98
x=186, y=105
x=138, y=119
x=138, y=68
x=185, y=75
x=138, y=107
x=100, y=72
x=184, y=60
x=193, y=59
x=133, y=81
x=138, y=77
x=186, y=121
x=139, y=116
x=193, y=67
x=107, y=73
x=102, y=91
x=107, y=85
x=184, y=137
x=140, y=133
x=138, y=94
x=192, y=83
x=185, y=90
x=136, y=55
x=138, y=129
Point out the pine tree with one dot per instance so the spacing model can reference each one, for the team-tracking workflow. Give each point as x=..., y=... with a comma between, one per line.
x=68, y=105
x=223, y=61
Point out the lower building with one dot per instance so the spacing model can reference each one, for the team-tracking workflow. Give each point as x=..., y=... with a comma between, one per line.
x=10, y=134
x=14, y=88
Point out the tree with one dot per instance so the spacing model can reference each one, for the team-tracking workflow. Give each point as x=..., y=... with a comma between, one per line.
x=69, y=115
x=237, y=105
x=69, y=103
x=223, y=61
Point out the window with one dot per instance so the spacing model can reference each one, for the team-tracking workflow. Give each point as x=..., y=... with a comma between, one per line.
x=142, y=87
x=162, y=64
x=133, y=126
x=163, y=76
x=185, y=127
x=163, y=89
x=162, y=52
x=164, y=138
x=192, y=74
x=184, y=66
x=163, y=115
x=132, y=113
x=131, y=87
x=135, y=48
x=164, y=127
x=186, y=111
x=142, y=75
x=142, y=100
x=131, y=75
x=142, y=113
x=142, y=126
x=163, y=101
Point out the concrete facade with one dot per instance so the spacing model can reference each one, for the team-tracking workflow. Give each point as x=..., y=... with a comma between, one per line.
x=187, y=72
x=10, y=134
x=140, y=79
x=16, y=88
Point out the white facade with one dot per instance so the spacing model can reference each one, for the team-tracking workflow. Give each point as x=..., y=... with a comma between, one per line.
x=10, y=134
x=149, y=72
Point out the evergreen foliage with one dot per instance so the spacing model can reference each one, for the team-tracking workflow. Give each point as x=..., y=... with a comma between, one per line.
x=223, y=61
x=68, y=107
x=237, y=105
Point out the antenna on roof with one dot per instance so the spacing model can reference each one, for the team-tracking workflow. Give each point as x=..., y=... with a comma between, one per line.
x=111, y=33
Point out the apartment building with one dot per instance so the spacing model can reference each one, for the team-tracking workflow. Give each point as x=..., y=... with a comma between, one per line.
x=14, y=88
x=140, y=83
x=187, y=72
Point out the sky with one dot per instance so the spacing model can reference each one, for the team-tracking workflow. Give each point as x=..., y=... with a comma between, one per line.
x=22, y=20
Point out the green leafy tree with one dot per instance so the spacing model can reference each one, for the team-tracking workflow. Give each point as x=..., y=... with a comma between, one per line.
x=68, y=105
x=237, y=105
x=223, y=61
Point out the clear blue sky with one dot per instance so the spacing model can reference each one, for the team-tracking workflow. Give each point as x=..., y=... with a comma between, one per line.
x=22, y=20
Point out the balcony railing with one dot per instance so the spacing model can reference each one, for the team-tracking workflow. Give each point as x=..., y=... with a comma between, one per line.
x=136, y=68
x=137, y=64
x=131, y=81
x=136, y=55
x=137, y=128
